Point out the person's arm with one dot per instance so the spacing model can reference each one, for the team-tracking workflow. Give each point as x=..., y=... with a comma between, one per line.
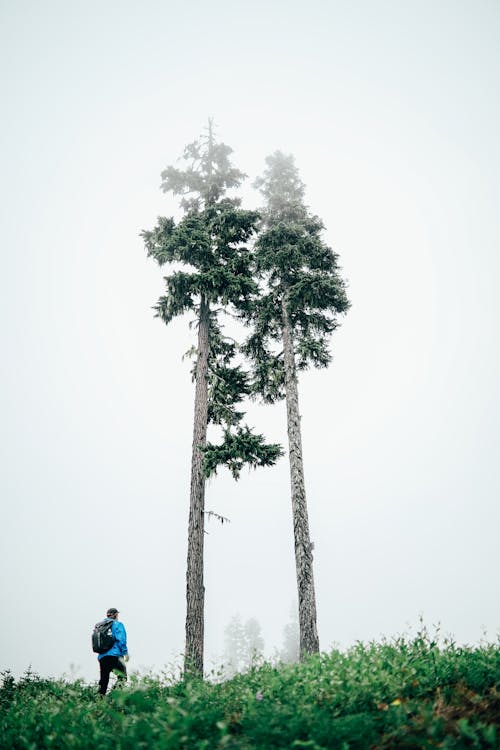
x=120, y=635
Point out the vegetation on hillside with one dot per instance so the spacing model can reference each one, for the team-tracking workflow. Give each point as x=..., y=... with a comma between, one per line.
x=402, y=694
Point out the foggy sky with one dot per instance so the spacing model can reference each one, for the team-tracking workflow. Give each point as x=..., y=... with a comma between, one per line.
x=391, y=110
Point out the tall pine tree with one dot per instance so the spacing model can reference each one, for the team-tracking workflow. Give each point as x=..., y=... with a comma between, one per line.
x=211, y=242
x=295, y=314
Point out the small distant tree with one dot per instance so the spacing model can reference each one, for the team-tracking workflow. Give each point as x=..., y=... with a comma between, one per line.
x=253, y=640
x=243, y=645
x=234, y=646
x=293, y=318
x=215, y=270
x=290, y=651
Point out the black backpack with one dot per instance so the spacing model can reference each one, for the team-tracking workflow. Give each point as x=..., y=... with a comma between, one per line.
x=102, y=637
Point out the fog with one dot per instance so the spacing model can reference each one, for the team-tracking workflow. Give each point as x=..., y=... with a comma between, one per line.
x=391, y=110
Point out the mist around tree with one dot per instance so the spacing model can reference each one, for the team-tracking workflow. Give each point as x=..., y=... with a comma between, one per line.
x=302, y=296
x=216, y=276
x=290, y=647
x=244, y=645
x=272, y=271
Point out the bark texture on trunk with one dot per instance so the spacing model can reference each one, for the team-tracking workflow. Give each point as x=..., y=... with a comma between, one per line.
x=195, y=589
x=309, y=642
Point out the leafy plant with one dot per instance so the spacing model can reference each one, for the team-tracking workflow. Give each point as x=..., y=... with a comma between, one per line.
x=405, y=693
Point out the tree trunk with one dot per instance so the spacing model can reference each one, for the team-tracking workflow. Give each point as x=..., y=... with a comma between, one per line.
x=195, y=590
x=309, y=643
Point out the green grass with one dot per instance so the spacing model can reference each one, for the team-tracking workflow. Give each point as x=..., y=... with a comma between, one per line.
x=401, y=694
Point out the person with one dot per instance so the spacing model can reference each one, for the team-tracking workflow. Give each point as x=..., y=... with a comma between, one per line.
x=114, y=659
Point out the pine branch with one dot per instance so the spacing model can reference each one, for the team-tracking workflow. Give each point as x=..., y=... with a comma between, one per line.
x=238, y=449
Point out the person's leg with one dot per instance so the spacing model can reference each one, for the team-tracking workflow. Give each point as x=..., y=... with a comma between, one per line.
x=106, y=664
x=120, y=670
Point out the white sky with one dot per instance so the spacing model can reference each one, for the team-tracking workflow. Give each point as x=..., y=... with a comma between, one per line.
x=392, y=112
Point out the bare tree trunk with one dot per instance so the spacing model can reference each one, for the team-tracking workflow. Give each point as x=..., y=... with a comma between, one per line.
x=195, y=589
x=309, y=643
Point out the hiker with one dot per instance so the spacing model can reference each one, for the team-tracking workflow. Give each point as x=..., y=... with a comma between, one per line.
x=114, y=658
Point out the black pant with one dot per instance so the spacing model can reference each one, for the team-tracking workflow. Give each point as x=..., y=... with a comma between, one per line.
x=107, y=665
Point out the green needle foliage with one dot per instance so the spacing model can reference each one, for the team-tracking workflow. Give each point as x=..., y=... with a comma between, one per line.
x=210, y=244
x=212, y=239
x=297, y=267
x=227, y=386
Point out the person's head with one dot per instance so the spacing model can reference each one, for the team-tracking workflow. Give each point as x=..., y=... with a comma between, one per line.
x=113, y=613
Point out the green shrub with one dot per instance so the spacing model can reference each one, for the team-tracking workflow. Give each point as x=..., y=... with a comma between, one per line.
x=400, y=694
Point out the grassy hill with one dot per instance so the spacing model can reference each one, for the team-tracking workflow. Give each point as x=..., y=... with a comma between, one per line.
x=400, y=694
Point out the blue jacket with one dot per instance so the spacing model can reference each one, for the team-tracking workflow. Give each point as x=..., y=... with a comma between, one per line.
x=119, y=647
